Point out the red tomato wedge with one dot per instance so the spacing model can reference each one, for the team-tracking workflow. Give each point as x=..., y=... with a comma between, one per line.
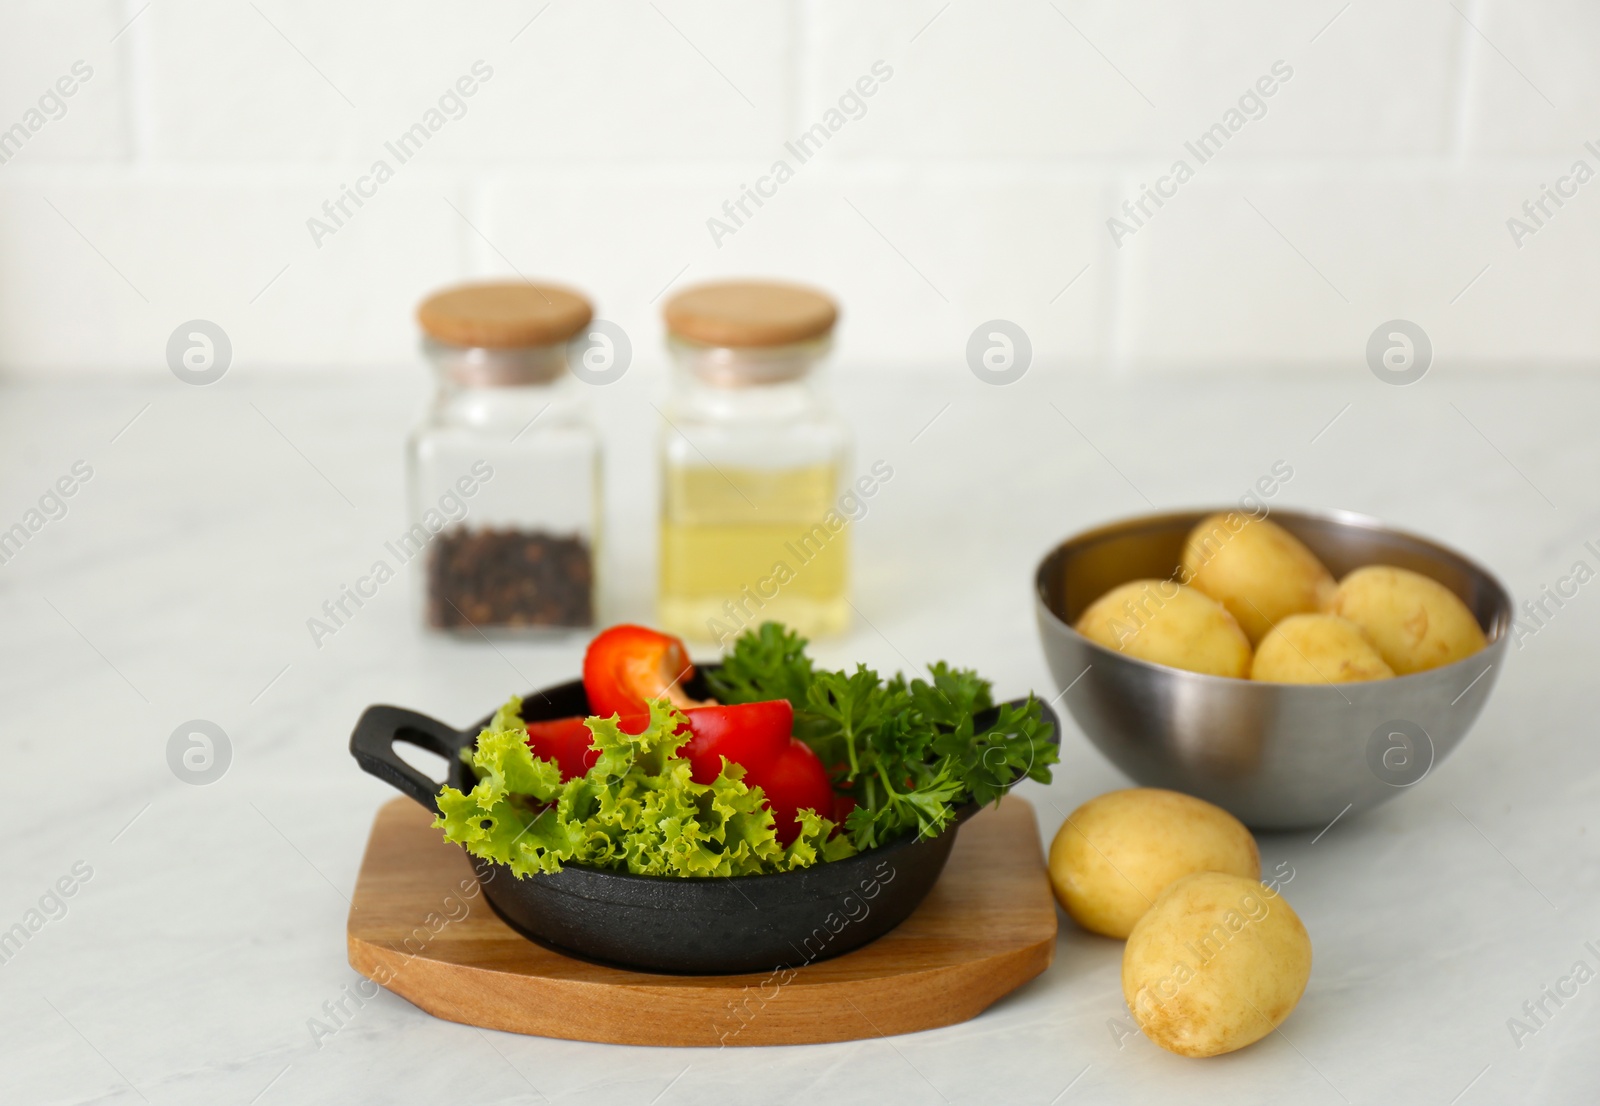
x=567, y=741
x=750, y=734
x=627, y=666
x=795, y=781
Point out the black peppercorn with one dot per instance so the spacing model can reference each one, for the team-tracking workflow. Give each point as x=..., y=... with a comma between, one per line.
x=509, y=578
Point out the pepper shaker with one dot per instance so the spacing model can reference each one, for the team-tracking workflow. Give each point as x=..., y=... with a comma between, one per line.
x=504, y=471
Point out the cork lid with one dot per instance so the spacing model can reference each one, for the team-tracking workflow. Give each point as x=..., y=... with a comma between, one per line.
x=503, y=315
x=744, y=313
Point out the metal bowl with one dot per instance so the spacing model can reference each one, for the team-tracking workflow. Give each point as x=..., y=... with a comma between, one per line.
x=683, y=925
x=1279, y=756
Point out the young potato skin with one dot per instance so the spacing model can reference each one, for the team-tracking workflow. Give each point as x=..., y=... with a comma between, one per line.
x=1317, y=649
x=1256, y=569
x=1216, y=964
x=1116, y=853
x=1163, y=622
x=1415, y=622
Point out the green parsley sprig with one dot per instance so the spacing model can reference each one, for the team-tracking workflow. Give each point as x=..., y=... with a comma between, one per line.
x=909, y=752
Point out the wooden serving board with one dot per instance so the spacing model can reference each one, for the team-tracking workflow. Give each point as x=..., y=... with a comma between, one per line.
x=420, y=927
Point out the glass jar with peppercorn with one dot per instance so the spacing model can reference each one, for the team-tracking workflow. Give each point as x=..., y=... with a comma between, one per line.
x=504, y=471
x=753, y=464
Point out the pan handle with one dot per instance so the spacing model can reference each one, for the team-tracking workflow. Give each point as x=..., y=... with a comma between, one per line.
x=372, y=744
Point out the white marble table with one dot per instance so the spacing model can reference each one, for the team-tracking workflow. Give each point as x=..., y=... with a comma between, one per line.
x=209, y=931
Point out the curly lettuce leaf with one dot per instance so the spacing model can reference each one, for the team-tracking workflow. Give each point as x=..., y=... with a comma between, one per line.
x=503, y=818
x=637, y=809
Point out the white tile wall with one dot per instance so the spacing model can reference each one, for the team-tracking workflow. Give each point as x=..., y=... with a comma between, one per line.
x=107, y=267
x=1018, y=78
x=977, y=152
x=896, y=246
x=1298, y=266
x=87, y=118
x=1537, y=90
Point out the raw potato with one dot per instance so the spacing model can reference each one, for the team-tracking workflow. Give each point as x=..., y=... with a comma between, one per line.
x=1256, y=569
x=1163, y=622
x=1415, y=622
x=1116, y=853
x=1317, y=649
x=1216, y=964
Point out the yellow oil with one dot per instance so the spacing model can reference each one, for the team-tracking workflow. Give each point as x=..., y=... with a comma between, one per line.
x=740, y=546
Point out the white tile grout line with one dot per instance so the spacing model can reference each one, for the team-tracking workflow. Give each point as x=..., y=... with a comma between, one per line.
x=139, y=120
x=799, y=65
x=1088, y=169
x=1466, y=52
x=1114, y=326
x=1489, y=42
x=470, y=185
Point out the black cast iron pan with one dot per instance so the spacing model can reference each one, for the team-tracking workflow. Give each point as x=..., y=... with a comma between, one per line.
x=699, y=926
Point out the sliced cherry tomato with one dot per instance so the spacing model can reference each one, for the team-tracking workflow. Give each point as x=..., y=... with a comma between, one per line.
x=627, y=666
x=750, y=734
x=567, y=741
x=795, y=781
